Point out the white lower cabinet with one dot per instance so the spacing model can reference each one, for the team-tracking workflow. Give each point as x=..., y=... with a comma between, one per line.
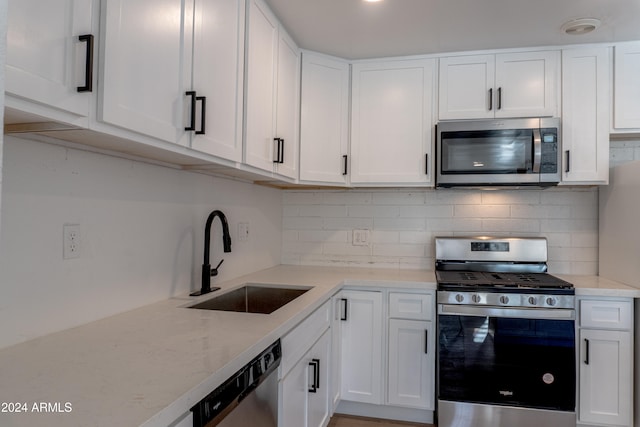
x=605, y=363
x=305, y=373
x=411, y=351
x=387, y=347
x=361, y=344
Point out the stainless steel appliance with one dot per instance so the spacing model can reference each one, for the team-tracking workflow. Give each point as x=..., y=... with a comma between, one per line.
x=498, y=152
x=248, y=399
x=506, y=335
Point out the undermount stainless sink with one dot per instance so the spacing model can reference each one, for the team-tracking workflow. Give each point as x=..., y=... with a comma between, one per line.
x=253, y=298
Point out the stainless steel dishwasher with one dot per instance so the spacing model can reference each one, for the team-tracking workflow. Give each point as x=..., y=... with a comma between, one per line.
x=248, y=398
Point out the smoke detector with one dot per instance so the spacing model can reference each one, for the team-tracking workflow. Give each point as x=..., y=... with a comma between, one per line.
x=580, y=26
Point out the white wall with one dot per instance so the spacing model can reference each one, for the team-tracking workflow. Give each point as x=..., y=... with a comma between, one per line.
x=318, y=225
x=142, y=230
x=4, y=6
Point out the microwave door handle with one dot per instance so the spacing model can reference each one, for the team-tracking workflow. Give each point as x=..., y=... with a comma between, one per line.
x=537, y=150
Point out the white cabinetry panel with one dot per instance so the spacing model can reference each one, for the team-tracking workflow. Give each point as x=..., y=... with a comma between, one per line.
x=361, y=335
x=626, y=107
x=585, y=115
x=392, y=122
x=324, y=119
x=411, y=369
x=45, y=58
x=142, y=58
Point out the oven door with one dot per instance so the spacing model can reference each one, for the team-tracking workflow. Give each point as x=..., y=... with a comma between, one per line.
x=509, y=357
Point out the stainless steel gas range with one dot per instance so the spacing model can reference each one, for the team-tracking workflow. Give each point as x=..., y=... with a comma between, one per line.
x=506, y=335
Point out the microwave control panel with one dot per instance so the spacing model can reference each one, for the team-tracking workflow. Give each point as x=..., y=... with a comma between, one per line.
x=549, y=162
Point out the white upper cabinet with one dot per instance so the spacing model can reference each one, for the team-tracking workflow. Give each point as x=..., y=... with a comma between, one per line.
x=172, y=70
x=520, y=84
x=585, y=115
x=272, y=93
x=49, y=58
x=392, y=122
x=142, y=86
x=626, y=99
x=217, y=77
x=324, y=119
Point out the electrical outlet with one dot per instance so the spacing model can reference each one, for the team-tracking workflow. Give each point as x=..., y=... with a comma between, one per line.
x=360, y=238
x=71, y=241
x=243, y=231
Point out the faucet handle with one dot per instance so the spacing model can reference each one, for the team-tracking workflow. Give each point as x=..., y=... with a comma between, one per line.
x=214, y=271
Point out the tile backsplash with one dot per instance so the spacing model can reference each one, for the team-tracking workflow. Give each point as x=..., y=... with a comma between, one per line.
x=318, y=225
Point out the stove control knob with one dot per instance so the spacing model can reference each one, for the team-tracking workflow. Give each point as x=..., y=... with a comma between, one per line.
x=476, y=298
x=533, y=300
x=459, y=297
x=504, y=299
x=551, y=301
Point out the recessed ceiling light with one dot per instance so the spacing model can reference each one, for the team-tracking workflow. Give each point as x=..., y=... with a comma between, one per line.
x=580, y=26
x=372, y=1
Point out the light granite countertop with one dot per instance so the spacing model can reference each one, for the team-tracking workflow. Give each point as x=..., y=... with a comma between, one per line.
x=148, y=366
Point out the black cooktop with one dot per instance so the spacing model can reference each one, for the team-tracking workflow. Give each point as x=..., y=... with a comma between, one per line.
x=475, y=280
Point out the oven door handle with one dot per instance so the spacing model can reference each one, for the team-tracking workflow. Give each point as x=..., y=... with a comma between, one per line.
x=516, y=313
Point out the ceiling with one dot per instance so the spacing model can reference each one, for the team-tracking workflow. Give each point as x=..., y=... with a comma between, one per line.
x=354, y=29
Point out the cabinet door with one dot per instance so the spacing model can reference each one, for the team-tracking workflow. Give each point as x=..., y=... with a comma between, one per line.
x=287, y=104
x=411, y=380
x=362, y=347
x=318, y=368
x=626, y=108
x=466, y=87
x=142, y=58
x=525, y=84
x=324, y=119
x=606, y=381
x=585, y=115
x=262, y=54
x=392, y=122
x=45, y=58
x=293, y=396
x=218, y=61
x=338, y=312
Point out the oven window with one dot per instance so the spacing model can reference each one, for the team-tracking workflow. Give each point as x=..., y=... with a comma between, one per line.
x=485, y=152
x=507, y=361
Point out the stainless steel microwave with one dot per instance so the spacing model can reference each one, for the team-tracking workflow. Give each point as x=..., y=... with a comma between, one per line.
x=498, y=152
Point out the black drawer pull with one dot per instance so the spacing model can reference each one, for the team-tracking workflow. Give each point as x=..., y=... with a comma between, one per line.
x=88, y=67
x=490, y=99
x=499, y=98
x=426, y=341
x=192, y=123
x=203, y=113
x=586, y=351
x=344, y=159
x=344, y=309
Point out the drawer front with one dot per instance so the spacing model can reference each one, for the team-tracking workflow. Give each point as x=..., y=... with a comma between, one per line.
x=297, y=342
x=606, y=314
x=404, y=305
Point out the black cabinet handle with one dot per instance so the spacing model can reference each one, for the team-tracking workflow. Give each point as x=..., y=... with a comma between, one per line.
x=426, y=341
x=192, y=123
x=490, y=99
x=276, y=144
x=281, y=151
x=315, y=364
x=426, y=164
x=203, y=114
x=344, y=309
x=586, y=351
x=88, y=67
x=344, y=168
x=567, y=167
x=499, y=98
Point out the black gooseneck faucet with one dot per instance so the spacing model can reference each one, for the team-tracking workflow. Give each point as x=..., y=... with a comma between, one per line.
x=207, y=271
